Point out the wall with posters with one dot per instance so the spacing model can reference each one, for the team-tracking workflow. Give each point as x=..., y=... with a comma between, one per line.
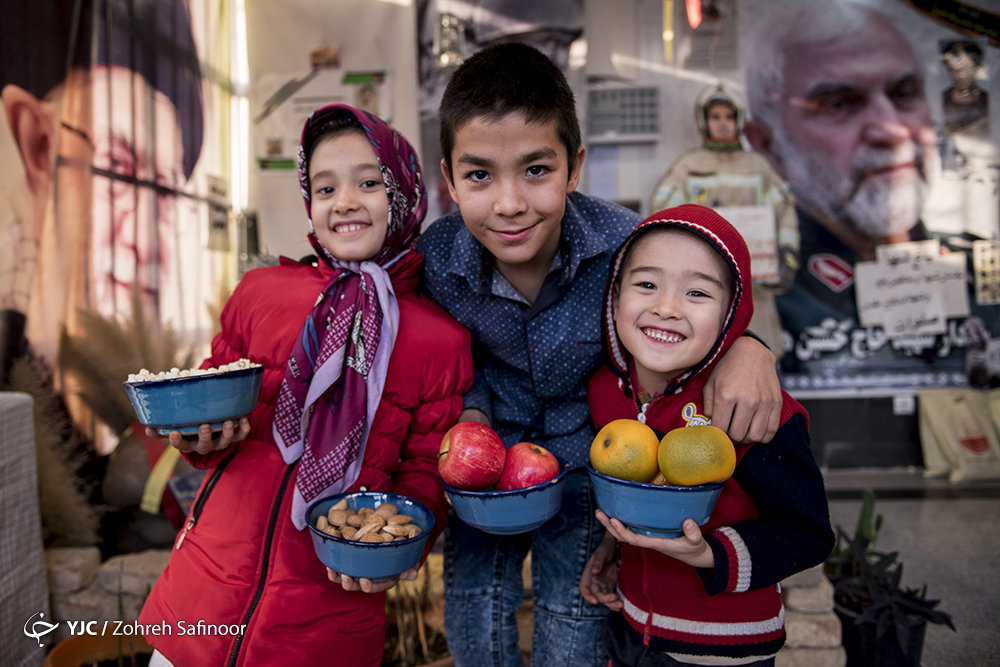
x=890, y=153
x=884, y=138
x=116, y=174
x=307, y=53
x=879, y=321
x=857, y=320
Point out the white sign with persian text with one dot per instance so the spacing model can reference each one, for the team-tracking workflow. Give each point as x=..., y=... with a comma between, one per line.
x=911, y=289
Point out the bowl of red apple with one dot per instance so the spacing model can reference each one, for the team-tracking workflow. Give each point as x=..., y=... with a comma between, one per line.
x=499, y=490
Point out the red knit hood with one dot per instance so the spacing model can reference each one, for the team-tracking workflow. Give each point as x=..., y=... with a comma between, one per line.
x=723, y=237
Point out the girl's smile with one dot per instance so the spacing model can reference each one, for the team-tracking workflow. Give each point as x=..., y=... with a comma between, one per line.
x=350, y=207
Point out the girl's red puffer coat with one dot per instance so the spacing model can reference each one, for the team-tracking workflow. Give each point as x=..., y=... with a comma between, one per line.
x=239, y=566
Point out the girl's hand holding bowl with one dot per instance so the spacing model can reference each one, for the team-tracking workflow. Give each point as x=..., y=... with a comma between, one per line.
x=366, y=585
x=207, y=441
x=181, y=404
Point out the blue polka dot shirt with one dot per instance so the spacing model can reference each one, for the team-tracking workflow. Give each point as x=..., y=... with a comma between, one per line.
x=533, y=359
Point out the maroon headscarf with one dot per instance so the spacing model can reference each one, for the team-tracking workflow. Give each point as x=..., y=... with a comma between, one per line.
x=336, y=371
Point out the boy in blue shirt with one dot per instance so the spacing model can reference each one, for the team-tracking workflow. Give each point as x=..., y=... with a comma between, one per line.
x=522, y=265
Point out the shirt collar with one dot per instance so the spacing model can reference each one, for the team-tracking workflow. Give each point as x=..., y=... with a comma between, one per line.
x=580, y=239
x=469, y=258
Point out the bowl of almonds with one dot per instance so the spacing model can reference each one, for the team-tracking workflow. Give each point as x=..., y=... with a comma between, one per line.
x=369, y=534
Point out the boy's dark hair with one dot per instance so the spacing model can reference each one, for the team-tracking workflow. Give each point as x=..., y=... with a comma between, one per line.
x=509, y=78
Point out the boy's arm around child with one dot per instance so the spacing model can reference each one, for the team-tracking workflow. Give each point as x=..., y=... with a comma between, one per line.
x=743, y=402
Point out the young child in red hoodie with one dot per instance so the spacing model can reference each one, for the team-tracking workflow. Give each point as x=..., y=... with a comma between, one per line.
x=677, y=297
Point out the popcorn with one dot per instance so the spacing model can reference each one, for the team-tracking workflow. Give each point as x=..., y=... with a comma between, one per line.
x=146, y=375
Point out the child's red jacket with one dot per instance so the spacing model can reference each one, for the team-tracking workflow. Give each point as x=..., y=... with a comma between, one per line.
x=771, y=519
x=242, y=562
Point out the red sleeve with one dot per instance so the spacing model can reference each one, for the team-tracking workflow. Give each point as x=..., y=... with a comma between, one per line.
x=446, y=374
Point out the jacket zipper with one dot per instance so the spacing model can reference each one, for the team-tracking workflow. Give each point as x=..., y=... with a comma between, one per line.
x=203, y=497
x=272, y=524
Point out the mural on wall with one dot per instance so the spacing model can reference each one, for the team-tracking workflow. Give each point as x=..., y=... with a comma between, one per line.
x=106, y=187
x=884, y=298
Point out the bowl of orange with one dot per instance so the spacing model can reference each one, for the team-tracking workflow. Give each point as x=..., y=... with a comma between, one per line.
x=651, y=484
x=658, y=510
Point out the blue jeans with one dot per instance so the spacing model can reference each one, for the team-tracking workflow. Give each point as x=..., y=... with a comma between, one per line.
x=483, y=588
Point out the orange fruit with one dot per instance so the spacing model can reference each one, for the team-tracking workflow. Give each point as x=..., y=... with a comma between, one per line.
x=693, y=455
x=626, y=449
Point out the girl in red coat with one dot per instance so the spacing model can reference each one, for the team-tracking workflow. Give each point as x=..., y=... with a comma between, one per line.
x=351, y=331
x=678, y=296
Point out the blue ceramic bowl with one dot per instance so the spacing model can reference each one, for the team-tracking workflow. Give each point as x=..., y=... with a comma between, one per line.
x=378, y=561
x=509, y=512
x=184, y=403
x=652, y=509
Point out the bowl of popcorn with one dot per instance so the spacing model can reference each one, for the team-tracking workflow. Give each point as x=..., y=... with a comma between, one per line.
x=369, y=534
x=182, y=400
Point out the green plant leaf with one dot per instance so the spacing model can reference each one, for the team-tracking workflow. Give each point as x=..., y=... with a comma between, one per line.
x=868, y=582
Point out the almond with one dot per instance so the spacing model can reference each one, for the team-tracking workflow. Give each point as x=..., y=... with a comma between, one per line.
x=396, y=530
x=386, y=510
x=338, y=517
x=372, y=524
x=374, y=538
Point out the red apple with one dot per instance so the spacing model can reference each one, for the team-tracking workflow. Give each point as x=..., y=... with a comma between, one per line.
x=527, y=464
x=471, y=456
